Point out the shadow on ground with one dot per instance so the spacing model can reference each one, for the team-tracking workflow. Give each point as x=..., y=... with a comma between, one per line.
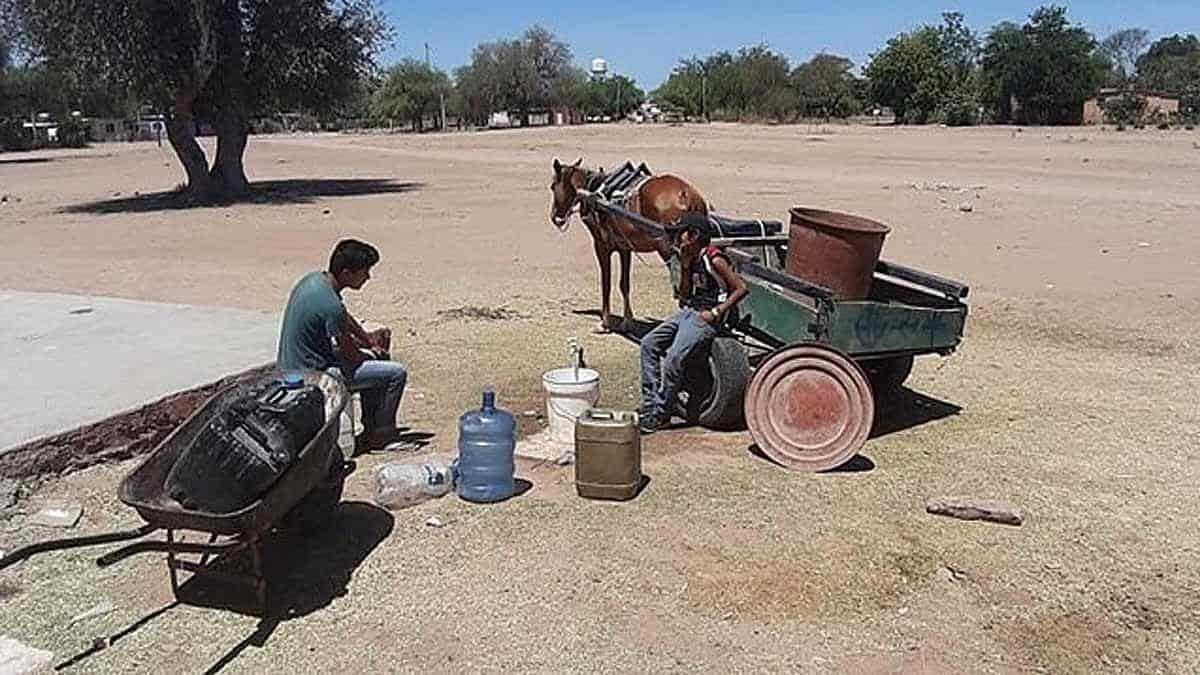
x=26, y=160
x=856, y=464
x=273, y=192
x=906, y=409
x=304, y=573
x=634, y=332
x=404, y=440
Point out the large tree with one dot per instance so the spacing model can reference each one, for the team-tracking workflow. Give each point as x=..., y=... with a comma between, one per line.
x=477, y=85
x=411, y=90
x=523, y=74
x=1048, y=66
x=753, y=82
x=1123, y=49
x=614, y=96
x=825, y=86
x=683, y=89
x=918, y=74
x=1172, y=65
x=765, y=90
x=217, y=60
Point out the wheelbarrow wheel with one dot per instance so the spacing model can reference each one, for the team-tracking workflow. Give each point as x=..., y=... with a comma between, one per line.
x=716, y=386
x=809, y=407
x=888, y=375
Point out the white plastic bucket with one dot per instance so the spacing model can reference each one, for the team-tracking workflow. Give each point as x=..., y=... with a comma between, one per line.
x=567, y=396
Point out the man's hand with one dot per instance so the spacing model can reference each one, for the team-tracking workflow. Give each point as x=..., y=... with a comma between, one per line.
x=708, y=317
x=379, y=343
x=380, y=340
x=351, y=356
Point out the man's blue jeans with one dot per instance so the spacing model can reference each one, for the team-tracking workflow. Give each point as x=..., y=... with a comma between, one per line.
x=664, y=351
x=380, y=384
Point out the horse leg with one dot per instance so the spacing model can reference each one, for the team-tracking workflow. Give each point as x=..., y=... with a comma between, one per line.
x=604, y=257
x=626, y=268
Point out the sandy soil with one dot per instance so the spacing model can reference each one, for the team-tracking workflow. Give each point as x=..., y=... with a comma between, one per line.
x=1072, y=397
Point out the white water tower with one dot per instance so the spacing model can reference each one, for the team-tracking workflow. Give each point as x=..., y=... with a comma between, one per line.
x=599, y=68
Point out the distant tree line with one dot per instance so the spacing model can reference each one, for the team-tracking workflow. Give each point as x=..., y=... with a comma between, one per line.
x=1039, y=72
x=529, y=73
x=240, y=65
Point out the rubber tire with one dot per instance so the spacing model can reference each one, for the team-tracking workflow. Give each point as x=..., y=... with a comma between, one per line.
x=887, y=375
x=716, y=386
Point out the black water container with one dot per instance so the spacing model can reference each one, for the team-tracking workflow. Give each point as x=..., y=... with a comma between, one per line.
x=247, y=446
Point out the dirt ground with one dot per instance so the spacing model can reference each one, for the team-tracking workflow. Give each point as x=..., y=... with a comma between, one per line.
x=1072, y=397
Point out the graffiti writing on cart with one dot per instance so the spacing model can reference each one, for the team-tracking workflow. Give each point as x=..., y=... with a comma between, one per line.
x=874, y=328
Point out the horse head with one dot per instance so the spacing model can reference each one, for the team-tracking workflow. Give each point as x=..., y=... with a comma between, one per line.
x=568, y=180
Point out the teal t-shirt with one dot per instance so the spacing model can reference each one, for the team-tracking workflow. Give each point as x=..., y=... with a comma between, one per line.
x=312, y=319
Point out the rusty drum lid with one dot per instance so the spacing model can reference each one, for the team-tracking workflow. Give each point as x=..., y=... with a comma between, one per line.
x=809, y=408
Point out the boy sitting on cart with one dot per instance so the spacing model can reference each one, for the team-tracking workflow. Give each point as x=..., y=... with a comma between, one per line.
x=316, y=321
x=708, y=290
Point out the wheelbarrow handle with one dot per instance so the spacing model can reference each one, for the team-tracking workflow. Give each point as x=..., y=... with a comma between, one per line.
x=74, y=542
x=113, y=557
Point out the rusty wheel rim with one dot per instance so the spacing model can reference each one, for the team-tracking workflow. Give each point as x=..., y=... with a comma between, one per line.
x=809, y=408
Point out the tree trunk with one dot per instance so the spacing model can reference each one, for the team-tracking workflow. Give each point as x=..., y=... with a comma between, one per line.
x=181, y=132
x=228, y=171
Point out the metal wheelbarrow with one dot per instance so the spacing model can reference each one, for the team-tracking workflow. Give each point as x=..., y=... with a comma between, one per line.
x=303, y=497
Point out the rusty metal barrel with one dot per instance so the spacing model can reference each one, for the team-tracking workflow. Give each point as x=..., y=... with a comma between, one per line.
x=835, y=250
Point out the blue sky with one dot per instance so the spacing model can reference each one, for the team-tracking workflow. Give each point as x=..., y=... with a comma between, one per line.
x=645, y=39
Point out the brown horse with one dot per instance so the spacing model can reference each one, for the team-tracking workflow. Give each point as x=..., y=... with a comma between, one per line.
x=663, y=199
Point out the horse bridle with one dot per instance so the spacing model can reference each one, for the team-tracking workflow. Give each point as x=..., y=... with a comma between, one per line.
x=591, y=180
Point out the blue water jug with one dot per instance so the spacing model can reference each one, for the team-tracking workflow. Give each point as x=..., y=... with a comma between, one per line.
x=487, y=439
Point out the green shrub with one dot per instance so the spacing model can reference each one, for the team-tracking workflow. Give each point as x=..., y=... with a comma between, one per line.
x=13, y=136
x=959, y=110
x=73, y=134
x=308, y=122
x=1128, y=108
x=267, y=125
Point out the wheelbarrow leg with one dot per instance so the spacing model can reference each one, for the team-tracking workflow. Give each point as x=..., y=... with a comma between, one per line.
x=212, y=539
x=171, y=564
x=260, y=581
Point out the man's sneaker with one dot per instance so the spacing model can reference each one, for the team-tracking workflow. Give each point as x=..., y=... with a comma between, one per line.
x=648, y=424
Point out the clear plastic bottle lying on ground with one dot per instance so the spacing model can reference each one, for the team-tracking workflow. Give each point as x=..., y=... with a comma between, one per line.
x=402, y=484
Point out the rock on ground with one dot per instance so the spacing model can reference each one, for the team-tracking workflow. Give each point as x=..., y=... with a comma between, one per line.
x=970, y=508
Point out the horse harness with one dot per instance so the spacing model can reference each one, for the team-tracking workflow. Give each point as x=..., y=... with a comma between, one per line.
x=622, y=187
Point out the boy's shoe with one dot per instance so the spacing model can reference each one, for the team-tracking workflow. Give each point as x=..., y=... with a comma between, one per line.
x=649, y=424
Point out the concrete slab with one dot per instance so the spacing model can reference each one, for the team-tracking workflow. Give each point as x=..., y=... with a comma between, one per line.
x=541, y=446
x=70, y=360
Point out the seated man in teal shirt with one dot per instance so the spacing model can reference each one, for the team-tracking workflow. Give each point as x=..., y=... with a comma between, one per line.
x=318, y=333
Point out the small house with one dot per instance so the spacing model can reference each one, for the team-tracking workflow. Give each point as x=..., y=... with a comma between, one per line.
x=1093, y=108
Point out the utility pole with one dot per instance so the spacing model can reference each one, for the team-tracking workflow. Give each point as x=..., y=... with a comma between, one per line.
x=441, y=94
x=704, y=94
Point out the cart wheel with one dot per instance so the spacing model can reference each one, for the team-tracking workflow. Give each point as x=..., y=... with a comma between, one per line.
x=716, y=386
x=809, y=407
x=887, y=375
